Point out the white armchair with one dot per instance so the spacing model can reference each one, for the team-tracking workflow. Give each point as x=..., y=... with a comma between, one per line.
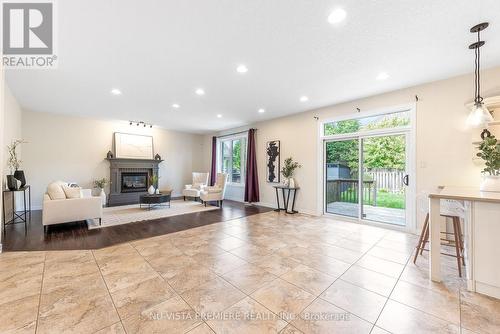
x=215, y=193
x=64, y=209
x=200, y=182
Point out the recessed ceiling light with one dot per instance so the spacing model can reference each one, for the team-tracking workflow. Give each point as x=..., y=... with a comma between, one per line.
x=241, y=69
x=304, y=99
x=336, y=16
x=261, y=110
x=200, y=92
x=176, y=106
x=382, y=76
x=116, y=91
x=219, y=115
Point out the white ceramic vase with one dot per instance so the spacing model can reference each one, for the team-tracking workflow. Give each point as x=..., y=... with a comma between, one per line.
x=291, y=182
x=490, y=183
x=157, y=192
x=151, y=190
x=103, y=197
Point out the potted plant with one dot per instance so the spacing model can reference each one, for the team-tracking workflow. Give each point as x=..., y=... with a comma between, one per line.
x=153, y=181
x=288, y=170
x=14, y=164
x=100, y=184
x=489, y=151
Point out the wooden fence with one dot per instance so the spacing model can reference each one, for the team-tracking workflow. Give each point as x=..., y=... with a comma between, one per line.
x=388, y=179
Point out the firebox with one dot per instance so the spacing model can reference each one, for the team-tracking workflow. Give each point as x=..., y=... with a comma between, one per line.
x=134, y=182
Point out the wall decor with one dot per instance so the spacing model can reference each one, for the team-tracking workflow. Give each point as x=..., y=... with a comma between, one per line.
x=273, y=161
x=110, y=155
x=132, y=146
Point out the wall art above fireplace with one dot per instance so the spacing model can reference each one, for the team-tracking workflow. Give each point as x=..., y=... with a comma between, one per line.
x=132, y=146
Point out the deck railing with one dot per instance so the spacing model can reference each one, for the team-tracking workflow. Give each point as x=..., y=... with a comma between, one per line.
x=347, y=190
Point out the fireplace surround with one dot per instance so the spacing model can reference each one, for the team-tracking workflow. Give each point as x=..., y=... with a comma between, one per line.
x=130, y=179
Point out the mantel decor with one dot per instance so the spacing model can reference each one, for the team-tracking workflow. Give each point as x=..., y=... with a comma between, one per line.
x=132, y=146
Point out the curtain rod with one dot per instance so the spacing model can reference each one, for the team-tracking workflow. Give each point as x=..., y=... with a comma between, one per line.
x=234, y=133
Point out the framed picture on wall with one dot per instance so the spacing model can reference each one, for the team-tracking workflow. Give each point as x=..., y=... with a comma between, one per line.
x=273, y=161
x=132, y=146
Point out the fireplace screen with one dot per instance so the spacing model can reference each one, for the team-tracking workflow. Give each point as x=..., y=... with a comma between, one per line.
x=134, y=182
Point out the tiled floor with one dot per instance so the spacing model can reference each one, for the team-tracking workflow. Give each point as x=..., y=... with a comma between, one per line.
x=265, y=273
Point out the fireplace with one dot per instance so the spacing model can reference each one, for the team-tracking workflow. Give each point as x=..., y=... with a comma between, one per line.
x=134, y=182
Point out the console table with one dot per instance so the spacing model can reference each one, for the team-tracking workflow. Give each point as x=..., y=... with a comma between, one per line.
x=17, y=216
x=286, y=191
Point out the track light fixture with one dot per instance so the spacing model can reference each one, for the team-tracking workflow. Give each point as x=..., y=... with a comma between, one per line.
x=144, y=124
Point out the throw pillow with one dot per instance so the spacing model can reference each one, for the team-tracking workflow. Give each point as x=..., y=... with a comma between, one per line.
x=56, y=191
x=72, y=192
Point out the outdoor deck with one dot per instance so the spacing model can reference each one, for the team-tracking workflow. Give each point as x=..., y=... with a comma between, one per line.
x=379, y=214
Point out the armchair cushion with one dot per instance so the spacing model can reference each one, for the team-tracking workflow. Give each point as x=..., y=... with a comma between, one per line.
x=213, y=190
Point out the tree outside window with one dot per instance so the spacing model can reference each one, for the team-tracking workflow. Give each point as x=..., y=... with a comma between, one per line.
x=233, y=154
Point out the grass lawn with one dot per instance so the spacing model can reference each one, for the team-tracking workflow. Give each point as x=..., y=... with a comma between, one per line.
x=384, y=199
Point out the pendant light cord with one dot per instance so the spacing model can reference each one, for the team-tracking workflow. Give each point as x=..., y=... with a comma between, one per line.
x=477, y=83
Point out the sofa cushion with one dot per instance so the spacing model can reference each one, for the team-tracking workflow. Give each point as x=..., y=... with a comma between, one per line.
x=56, y=191
x=72, y=192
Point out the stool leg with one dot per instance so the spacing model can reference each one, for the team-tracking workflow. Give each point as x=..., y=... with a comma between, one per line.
x=421, y=239
x=457, y=246
x=460, y=237
x=426, y=238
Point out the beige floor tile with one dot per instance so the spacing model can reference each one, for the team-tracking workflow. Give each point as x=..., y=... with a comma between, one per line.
x=382, y=266
x=248, y=317
x=378, y=330
x=76, y=314
x=399, y=318
x=213, y=296
x=249, y=278
x=389, y=254
x=353, y=245
x=11, y=260
x=107, y=254
x=326, y=264
x=323, y=317
x=480, y=313
x=230, y=243
x=191, y=276
x=170, y=266
x=370, y=280
x=361, y=302
x=141, y=296
x=156, y=247
x=276, y=264
x=289, y=329
x=20, y=282
x=113, y=329
x=444, y=306
x=221, y=263
x=402, y=247
x=203, y=328
x=250, y=252
x=341, y=253
x=309, y=279
x=283, y=298
x=419, y=275
x=172, y=316
x=19, y=314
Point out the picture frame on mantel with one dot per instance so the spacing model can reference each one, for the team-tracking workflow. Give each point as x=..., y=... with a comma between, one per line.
x=133, y=146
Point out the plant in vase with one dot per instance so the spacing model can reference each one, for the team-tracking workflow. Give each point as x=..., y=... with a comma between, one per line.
x=14, y=163
x=153, y=181
x=489, y=151
x=100, y=184
x=288, y=170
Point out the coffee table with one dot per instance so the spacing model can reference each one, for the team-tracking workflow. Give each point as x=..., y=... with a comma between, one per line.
x=154, y=200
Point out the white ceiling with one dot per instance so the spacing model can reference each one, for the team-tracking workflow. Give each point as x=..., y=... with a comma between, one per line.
x=159, y=52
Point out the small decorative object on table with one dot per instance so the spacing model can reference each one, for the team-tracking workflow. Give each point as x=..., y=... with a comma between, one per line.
x=157, y=157
x=153, y=181
x=288, y=170
x=489, y=151
x=14, y=164
x=100, y=184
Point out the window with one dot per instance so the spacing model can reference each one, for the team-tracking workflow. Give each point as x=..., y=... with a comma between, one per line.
x=233, y=158
x=385, y=121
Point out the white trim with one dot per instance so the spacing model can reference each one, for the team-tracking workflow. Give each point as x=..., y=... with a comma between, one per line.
x=410, y=134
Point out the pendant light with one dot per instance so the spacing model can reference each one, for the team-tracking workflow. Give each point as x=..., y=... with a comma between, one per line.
x=479, y=115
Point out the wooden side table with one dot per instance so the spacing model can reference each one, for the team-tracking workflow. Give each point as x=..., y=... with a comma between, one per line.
x=286, y=191
x=18, y=216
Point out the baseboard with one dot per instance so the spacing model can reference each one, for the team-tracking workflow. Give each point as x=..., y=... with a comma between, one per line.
x=300, y=210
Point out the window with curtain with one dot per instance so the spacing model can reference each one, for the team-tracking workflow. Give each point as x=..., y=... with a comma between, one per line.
x=233, y=158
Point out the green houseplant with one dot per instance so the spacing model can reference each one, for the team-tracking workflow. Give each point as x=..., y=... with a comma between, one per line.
x=288, y=170
x=489, y=152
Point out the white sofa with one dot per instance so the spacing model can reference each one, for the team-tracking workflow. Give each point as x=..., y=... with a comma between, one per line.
x=216, y=192
x=200, y=182
x=64, y=210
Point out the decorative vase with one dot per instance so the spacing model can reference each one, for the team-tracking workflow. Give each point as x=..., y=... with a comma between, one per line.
x=285, y=182
x=19, y=175
x=11, y=182
x=490, y=183
x=103, y=197
x=291, y=183
x=157, y=192
x=151, y=190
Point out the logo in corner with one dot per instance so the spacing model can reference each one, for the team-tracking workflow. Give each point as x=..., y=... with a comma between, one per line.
x=28, y=35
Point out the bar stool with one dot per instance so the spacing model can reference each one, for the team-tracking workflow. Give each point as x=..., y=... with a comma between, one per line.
x=455, y=211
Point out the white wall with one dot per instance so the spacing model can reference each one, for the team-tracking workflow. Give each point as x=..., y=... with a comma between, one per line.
x=2, y=121
x=74, y=149
x=444, y=145
x=12, y=126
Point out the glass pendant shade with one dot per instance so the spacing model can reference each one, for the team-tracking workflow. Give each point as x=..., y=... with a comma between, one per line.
x=479, y=116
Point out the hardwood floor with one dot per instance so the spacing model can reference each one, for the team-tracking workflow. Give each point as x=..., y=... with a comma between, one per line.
x=77, y=236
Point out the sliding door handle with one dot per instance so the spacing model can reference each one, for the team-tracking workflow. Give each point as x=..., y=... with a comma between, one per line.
x=406, y=180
